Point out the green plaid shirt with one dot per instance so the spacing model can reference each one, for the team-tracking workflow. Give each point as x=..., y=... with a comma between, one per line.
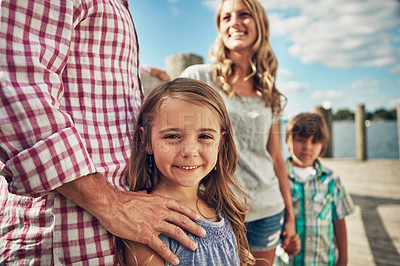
x=316, y=203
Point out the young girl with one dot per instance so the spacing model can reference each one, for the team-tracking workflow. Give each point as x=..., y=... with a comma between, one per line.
x=183, y=149
x=244, y=72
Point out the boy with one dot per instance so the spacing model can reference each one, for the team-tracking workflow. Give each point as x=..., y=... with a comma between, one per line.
x=320, y=202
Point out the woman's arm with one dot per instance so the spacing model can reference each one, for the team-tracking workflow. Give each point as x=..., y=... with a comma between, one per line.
x=275, y=150
x=341, y=239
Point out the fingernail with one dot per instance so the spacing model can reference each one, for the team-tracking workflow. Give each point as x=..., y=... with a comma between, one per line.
x=203, y=233
x=198, y=217
x=194, y=247
x=176, y=261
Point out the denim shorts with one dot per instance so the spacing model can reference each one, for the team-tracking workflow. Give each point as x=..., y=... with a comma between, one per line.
x=265, y=234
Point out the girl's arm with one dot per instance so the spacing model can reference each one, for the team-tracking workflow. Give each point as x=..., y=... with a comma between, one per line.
x=341, y=239
x=274, y=149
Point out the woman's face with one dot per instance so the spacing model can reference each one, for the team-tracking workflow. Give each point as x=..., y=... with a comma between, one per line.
x=237, y=26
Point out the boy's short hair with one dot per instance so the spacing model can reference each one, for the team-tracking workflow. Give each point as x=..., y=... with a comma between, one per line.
x=306, y=125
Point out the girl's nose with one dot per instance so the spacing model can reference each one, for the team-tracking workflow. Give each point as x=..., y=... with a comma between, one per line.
x=189, y=149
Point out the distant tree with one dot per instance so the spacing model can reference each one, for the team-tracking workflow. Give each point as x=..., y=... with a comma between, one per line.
x=378, y=114
x=383, y=114
x=369, y=115
x=343, y=114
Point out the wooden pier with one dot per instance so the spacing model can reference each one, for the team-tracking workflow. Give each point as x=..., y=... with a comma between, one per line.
x=374, y=228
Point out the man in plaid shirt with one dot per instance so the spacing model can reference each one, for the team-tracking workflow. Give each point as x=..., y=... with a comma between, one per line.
x=70, y=90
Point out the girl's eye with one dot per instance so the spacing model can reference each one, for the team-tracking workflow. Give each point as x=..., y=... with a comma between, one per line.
x=205, y=136
x=171, y=136
x=245, y=14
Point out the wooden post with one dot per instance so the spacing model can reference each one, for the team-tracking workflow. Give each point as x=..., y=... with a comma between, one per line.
x=398, y=126
x=326, y=113
x=361, y=139
x=176, y=63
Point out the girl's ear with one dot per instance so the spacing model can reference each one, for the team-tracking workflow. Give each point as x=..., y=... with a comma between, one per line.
x=142, y=136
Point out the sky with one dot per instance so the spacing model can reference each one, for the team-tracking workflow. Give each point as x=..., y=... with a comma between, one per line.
x=334, y=53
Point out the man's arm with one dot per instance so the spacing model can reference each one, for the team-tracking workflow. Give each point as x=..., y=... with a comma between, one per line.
x=134, y=215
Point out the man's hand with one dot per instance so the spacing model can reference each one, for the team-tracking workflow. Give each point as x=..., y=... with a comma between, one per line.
x=159, y=73
x=135, y=216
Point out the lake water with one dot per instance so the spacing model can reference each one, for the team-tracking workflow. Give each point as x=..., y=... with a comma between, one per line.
x=382, y=140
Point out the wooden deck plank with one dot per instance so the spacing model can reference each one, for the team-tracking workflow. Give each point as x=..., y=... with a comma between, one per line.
x=374, y=228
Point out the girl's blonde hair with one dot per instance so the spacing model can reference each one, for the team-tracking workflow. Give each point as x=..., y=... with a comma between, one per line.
x=219, y=187
x=263, y=61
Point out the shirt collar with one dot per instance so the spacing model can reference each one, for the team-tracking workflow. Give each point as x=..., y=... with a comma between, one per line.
x=322, y=172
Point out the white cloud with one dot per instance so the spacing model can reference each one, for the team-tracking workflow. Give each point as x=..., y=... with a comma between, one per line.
x=286, y=84
x=341, y=33
x=292, y=86
x=394, y=103
x=285, y=74
x=329, y=95
x=212, y=4
x=365, y=83
x=395, y=69
x=174, y=11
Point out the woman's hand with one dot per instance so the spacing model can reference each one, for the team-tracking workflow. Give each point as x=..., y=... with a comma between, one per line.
x=291, y=241
x=294, y=246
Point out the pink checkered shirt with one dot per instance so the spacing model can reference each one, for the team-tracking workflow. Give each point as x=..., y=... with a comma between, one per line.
x=70, y=90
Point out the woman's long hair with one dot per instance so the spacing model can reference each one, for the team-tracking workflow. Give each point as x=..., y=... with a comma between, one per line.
x=263, y=61
x=219, y=187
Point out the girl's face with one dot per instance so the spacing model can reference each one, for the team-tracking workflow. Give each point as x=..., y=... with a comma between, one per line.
x=185, y=141
x=237, y=26
x=304, y=151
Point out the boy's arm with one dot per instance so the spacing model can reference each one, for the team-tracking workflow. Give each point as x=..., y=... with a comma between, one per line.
x=341, y=239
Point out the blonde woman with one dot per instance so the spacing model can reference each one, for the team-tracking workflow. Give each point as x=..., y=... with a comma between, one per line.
x=244, y=72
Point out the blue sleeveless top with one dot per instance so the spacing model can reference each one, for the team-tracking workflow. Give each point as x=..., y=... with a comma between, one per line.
x=218, y=247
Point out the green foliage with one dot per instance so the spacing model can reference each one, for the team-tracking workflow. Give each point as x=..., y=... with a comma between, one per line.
x=379, y=114
x=344, y=114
